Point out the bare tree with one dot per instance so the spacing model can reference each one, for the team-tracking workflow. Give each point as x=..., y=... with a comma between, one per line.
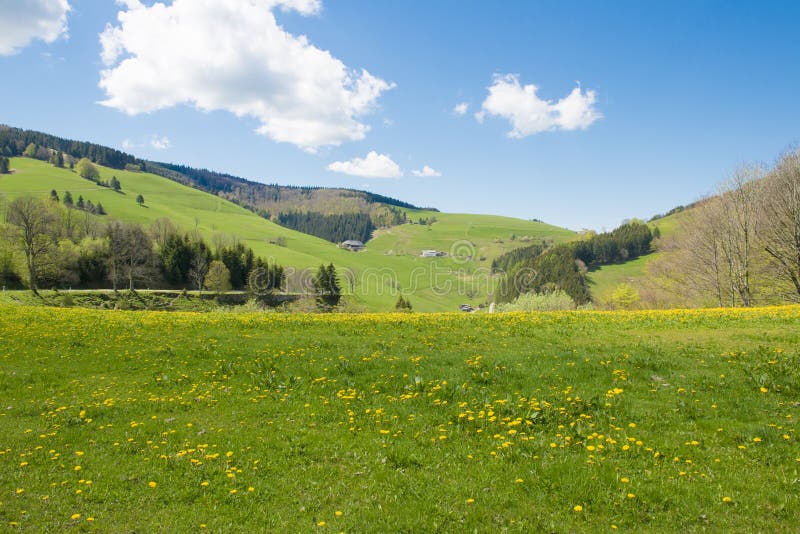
x=779, y=227
x=739, y=203
x=32, y=228
x=691, y=265
x=116, y=251
x=199, y=268
x=138, y=256
x=130, y=254
x=161, y=229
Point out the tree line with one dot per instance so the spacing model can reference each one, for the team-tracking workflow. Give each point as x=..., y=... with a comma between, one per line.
x=52, y=248
x=335, y=228
x=14, y=142
x=740, y=247
x=543, y=267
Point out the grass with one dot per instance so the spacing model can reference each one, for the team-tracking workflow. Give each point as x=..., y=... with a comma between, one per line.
x=667, y=421
x=604, y=279
x=390, y=264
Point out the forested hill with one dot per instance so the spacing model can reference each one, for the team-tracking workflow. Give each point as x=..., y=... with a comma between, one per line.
x=334, y=214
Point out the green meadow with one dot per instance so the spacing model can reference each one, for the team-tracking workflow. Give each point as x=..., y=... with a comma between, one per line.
x=668, y=421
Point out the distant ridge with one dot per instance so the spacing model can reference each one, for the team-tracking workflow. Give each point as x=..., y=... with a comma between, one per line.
x=334, y=214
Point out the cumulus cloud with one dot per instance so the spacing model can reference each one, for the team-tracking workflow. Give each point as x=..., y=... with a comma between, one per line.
x=36, y=19
x=160, y=143
x=232, y=55
x=461, y=108
x=529, y=114
x=373, y=166
x=426, y=172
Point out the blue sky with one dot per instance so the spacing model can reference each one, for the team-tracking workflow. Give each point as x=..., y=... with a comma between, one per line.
x=671, y=95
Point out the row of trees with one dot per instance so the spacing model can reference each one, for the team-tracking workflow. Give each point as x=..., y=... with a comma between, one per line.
x=14, y=142
x=53, y=250
x=335, y=228
x=69, y=202
x=742, y=246
x=544, y=268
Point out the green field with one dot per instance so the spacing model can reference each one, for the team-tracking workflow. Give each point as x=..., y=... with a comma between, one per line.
x=668, y=421
x=390, y=263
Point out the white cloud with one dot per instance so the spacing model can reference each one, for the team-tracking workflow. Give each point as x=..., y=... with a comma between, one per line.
x=23, y=22
x=529, y=114
x=160, y=143
x=232, y=55
x=373, y=166
x=461, y=108
x=426, y=172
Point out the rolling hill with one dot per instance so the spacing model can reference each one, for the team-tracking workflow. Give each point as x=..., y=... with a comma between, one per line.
x=390, y=263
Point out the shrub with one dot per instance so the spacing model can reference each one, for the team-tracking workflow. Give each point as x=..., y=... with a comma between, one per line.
x=554, y=300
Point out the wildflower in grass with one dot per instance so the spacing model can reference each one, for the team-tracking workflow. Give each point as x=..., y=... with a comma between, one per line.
x=578, y=508
x=519, y=481
x=338, y=513
x=727, y=499
x=321, y=524
x=75, y=516
x=204, y=483
x=763, y=389
x=470, y=500
x=152, y=484
x=624, y=480
x=251, y=489
x=631, y=495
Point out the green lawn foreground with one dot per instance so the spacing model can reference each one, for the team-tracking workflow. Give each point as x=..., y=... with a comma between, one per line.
x=666, y=421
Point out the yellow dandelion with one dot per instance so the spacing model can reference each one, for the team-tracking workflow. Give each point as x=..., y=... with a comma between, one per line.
x=578, y=508
x=727, y=499
x=75, y=516
x=338, y=513
x=624, y=480
x=470, y=500
x=152, y=484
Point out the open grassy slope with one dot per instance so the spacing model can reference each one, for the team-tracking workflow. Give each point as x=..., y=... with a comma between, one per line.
x=671, y=421
x=390, y=263
x=603, y=280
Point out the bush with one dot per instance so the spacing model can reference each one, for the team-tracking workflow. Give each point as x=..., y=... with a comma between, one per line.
x=624, y=297
x=86, y=169
x=549, y=301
